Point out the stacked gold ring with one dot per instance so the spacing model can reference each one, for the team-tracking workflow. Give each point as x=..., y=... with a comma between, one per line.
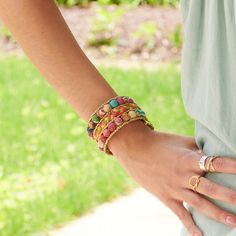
x=209, y=167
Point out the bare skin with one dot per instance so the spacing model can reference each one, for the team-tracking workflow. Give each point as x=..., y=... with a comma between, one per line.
x=162, y=163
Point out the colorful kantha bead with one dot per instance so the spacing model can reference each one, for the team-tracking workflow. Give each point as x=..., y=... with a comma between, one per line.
x=91, y=125
x=106, y=107
x=118, y=120
x=100, y=143
x=103, y=138
x=120, y=100
x=106, y=132
x=130, y=100
x=101, y=113
x=132, y=113
x=95, y=118
x=113, y=103
x=90, y=131
x=111, y=127
x=125, y=116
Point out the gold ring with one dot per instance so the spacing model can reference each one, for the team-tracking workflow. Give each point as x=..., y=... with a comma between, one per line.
x=210, y=167
x=195, y=185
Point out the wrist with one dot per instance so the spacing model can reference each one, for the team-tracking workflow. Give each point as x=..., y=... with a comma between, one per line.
x=126, y=137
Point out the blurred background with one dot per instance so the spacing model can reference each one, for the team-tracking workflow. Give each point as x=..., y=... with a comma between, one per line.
x=50, y=171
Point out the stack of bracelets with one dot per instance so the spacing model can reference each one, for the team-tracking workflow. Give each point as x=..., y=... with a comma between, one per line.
x=110, y=117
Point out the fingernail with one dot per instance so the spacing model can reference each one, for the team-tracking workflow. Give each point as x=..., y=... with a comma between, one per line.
x=231, y=219
x=196, y=234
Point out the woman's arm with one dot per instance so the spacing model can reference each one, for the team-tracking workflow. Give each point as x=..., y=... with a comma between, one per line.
x=42, y=32
x=40, y=29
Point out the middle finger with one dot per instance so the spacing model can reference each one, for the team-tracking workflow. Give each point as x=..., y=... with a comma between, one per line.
x=221, y=164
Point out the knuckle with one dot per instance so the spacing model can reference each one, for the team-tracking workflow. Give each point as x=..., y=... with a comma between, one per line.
x=187, y=155
x=181, y=215
x=210, y=188
x=222, y=216
x=196, y=202
x=232, y=198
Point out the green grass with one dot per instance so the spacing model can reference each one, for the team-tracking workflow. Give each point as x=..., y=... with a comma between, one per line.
x=50, y=171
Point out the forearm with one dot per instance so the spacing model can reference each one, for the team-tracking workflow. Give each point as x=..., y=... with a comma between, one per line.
x=40, y=29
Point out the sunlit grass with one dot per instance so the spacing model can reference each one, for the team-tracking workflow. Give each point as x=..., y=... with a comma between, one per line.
x=50, y=171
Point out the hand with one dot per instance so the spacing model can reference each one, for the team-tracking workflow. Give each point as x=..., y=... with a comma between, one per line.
x=162, y=163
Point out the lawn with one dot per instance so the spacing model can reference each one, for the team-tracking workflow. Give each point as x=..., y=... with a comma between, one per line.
x=50, y=171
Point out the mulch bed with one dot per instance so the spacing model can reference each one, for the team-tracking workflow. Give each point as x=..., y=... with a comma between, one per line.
x=127, y=47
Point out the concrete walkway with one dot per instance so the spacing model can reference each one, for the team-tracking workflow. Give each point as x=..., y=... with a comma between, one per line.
x=139, y=214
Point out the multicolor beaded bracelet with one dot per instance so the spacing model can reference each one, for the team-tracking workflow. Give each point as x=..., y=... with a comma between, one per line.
x=103, y=109
x=109, y=125
x=110, y=116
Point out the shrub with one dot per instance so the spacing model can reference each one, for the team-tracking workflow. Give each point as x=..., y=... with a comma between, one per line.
x=4, y=32
x=146, y=34
x=70, y=3
x=136, y=2
x=176, y=37
x=103, y=24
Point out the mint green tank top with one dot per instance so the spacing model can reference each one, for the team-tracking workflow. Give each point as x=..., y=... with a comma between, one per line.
x=208, y=83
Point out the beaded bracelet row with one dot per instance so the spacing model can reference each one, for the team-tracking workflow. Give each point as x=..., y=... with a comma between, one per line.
x=112, y=115
x=103, y=109
x=121, y=109
x=108, y=133
x=108, y=125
